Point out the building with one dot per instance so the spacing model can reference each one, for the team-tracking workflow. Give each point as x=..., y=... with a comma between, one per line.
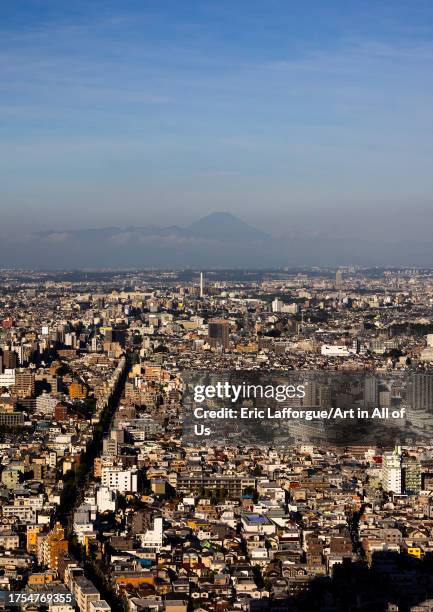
x=24, y=384
x=118, y=479
x=371, y=391
x=105, y=500
x=411, y=476
x=7, y=378
x=391, y=472
x=10, y=360
x=85, y=593
x=61, y=413
x=52, y=546
x=277, y=305
x=218, y=333
x=46, y=404
x=77, y=391
x=233, y=485
x=110, y=446
x=99, y=606
x=336, y=350
x=152, y=538
x=11, y=419
x=422, y=392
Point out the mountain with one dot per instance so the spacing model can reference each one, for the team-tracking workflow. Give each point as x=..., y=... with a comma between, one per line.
x=223, y=240
x=219, y=239
x=224, y=226
x=219, y=227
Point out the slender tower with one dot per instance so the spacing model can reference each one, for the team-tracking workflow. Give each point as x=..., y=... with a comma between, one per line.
x=201, y=285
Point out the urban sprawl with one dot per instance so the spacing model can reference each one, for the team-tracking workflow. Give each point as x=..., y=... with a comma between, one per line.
x=100, y=496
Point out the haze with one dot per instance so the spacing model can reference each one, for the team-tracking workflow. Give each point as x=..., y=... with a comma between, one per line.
x=307, y=120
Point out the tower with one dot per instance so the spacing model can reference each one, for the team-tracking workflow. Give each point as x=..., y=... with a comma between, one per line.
x=391, y=472
x=422, y=391
x=218, y=335
x=371, y=391
x=201, y=285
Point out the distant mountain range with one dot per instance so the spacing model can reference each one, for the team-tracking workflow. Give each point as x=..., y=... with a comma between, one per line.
x=223, y=240
x=218, y=226
x=220, y=239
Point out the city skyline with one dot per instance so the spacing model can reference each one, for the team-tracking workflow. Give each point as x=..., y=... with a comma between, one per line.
x=237, y=441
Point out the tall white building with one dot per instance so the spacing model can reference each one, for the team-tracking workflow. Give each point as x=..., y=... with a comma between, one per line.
x=391, y=472
x=277, y=305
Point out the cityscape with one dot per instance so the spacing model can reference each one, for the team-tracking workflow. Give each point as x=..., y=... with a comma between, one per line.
x=102, y=499
x=216, y=306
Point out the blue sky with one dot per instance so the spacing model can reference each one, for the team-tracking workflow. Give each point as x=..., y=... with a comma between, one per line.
x=156, y=112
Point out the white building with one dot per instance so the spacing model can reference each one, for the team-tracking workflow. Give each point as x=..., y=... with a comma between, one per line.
x=279, y=306
x=152, y=538
x=391, y=472
x=46, y=404
x=7, y=379
x=105, y=500
x=85, y=593
x=336, y=350
x=118, y=479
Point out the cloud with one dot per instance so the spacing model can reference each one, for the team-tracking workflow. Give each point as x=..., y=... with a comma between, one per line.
x=57, y=237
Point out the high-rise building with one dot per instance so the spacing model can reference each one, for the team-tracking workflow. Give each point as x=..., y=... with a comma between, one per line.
x=325, y=396
x=311, y=391
x=115, y=335
x=422, y=392
x=201, y=285
x=371, y=391
x=61, y=413
x=277, y=305
x=24, y=384
x=338, y=279
x=412, y=477
x=51, y=546
x=391, y=472
x=218, y=334
x=10, y=360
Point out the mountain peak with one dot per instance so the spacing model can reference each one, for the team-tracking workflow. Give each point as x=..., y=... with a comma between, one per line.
x=224, y=226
